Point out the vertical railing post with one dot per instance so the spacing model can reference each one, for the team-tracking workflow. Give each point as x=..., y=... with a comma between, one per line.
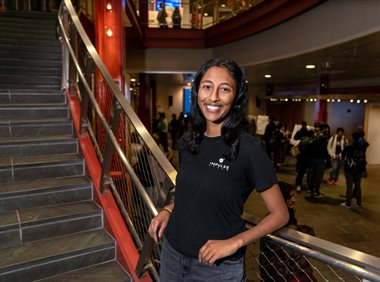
x=148, y=246
x=105, y=178
x=65, y=50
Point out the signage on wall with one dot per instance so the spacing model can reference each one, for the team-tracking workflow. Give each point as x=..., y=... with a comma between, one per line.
x=186, y=101
x=168, y=4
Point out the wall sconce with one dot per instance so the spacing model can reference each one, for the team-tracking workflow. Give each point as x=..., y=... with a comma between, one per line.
x=109, y=6
x=109, y=32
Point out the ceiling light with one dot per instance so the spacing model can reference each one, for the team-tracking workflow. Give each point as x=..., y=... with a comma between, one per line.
x=328, y=100
x=109, y=6
x=223, y=5
x=286, y=100
x=333, y=100
x=267, y=76
x=133, y=79
x=310, y=66
x=365, y=101
x=351, y=101
x=205, y=14
x=315, y=99
x=358, y=101
x=338, y=100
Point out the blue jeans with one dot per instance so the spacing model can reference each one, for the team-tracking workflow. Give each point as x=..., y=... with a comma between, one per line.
x=176, y=267
x=336, y=165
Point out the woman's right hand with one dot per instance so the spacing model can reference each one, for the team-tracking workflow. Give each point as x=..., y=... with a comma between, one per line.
x=158, y=224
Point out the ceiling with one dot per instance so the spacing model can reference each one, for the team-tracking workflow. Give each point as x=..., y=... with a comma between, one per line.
x=352, y=68
x=354, y=64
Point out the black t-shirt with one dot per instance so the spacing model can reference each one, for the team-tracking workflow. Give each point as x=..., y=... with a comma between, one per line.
x=211, y=191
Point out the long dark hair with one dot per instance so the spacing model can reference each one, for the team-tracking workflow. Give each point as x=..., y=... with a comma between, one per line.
x=235, y=120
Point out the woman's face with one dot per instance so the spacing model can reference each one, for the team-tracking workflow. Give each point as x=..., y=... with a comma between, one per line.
x=216, y=94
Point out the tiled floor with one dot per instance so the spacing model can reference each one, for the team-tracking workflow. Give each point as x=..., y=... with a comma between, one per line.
x=356, y=228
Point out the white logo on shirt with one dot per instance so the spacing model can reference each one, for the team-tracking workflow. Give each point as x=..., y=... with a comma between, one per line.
x=219, y=165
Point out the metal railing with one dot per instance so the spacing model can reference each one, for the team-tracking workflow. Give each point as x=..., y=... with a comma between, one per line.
x=133, y=166
x=137, y=172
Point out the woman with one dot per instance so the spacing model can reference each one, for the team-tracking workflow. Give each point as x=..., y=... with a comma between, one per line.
x=220, y=164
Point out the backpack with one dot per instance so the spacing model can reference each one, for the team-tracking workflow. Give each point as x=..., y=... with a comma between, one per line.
x=357, y=161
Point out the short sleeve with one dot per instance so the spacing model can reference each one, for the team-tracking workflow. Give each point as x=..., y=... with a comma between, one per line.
x=259, y=169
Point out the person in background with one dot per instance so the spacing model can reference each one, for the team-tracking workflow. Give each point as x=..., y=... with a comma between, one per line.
x=269, y=136
x=335, y=147
x=318, y=156
x=176, y=18
x=161, y=16
x=162, y=130
x=354, y=164
x=364, y=143
x=220, y=165
x=278, y=146
x=304, y=137
x=173, y=129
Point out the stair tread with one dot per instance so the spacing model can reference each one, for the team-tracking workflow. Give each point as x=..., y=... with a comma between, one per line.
x=109, y=271
x=39, y=160
x=32, y=216
x=56, y=247
x=31, y=139
x=42, y=121
x=44, y=183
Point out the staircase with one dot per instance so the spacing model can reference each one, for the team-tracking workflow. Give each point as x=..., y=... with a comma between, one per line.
x=50, y=227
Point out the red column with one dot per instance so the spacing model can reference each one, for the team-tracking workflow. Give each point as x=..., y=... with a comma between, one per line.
x=320, y=111
x=109, y=41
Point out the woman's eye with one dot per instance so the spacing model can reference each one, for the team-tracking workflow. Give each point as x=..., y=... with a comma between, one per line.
x=225, y=89
x=206, y=87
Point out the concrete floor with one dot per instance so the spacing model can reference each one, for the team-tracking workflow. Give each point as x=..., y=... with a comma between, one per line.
x=355, y=228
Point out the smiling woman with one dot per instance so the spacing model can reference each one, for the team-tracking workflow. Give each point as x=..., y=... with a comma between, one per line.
x=220, y=165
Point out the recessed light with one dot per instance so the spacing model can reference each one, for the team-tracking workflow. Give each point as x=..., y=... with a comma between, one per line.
x=133, y=79
x=267, y=76
x=328, y=100
x=351, y=101
x=310, y=66
x=365, y=101
x=358, y=101
x=205, y=14
x=338, y=100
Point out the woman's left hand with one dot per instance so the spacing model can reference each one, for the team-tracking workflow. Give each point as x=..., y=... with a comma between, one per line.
x=217, y=249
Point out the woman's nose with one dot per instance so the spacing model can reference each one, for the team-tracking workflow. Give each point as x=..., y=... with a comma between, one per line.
x=214, y=96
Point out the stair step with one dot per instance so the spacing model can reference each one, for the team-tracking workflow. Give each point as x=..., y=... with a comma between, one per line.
x=44, y=258
x=19, y=146
x=36, y=128
x=49, y=191
x=109, y=271
x=12, y=47
x=32, y=98
x=22, y=113
x=34, y=167
x=21, y=226
x=27, y=15
x=28, y=78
